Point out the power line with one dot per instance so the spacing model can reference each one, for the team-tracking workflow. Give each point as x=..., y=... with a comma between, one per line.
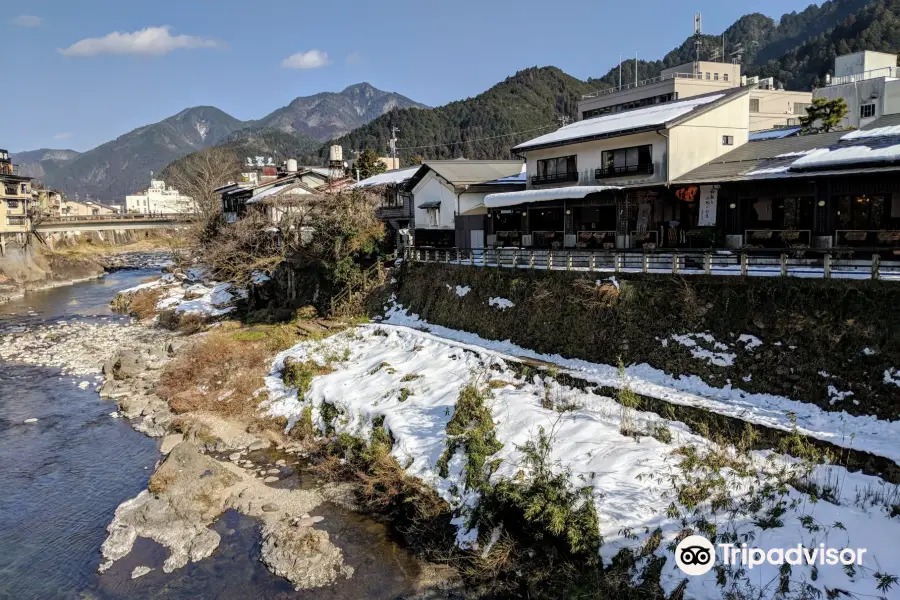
x=494, y=137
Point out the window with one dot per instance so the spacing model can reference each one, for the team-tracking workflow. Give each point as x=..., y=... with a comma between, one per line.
x=555, y=170
x=637, y=159
x=725, y=76
x=861, y=212
x=707, y=76
x=12, y=204
x=866, y=111
x=791, y=122
x=754, y=105
x=800, y=107
x=716, y=76
x=728, y=140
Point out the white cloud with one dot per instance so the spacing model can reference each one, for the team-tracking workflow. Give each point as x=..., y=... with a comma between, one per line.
x=63, y=135
x=306, y=60
x=354, y=58
x=26, y=21
x=154, y=41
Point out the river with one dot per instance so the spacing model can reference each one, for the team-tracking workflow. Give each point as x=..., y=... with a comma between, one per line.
x=63, y=477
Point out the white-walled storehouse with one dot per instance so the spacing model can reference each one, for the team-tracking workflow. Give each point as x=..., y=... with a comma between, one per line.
x=607, y=181
x=449, y=195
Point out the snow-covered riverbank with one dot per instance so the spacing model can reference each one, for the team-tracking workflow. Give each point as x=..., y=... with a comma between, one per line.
x=412, y=381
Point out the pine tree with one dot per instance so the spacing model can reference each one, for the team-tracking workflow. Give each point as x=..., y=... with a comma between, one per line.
x=368, y=164
x=824, y=115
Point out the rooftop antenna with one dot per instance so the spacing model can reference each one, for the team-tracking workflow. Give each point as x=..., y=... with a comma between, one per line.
x=698, y=29
x=620, y=71
x=635, y=68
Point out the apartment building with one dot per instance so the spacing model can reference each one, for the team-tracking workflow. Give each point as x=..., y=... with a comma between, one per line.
x=769, y=107
x=159, y=199
x=15, y=197
x=868, y=82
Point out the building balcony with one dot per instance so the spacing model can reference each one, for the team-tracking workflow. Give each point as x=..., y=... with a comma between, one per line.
x=555, y=178
x=609, y=172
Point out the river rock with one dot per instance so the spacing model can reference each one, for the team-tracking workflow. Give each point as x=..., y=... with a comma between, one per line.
x=269, y=507
x=235, y=457
x=31, y=420
x=304, y=556
x=280, y=462
x=270, y=480
x=169, y=442
x=140, y=571
x=273, y=472
x=258, y=445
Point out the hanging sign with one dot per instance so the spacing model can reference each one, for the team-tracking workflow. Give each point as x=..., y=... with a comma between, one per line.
x=688, y=194
x=709, y=200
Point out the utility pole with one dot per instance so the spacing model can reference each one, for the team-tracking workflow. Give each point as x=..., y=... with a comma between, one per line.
x=356, y=163
x=635, y=69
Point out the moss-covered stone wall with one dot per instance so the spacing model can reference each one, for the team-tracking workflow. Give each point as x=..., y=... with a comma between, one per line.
x=834, y=343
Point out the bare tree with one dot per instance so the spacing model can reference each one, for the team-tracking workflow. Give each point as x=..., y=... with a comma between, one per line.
x=198, y=175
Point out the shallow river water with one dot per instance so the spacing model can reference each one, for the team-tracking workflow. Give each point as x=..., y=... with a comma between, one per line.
x=62, y=478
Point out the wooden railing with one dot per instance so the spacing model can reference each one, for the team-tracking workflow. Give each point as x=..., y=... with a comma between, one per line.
x=371, y=277
x=813, y=263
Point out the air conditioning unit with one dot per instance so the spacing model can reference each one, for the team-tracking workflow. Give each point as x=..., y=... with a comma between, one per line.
x=752, y=80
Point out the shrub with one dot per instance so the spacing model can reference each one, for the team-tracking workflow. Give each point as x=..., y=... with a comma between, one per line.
x=217, y=374
x=143, y=303
x=299, y=374
x=472, y=429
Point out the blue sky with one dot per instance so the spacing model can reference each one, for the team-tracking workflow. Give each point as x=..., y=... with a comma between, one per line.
x=69, y=83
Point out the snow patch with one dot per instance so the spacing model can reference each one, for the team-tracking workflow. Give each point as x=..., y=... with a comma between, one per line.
x=501, y=303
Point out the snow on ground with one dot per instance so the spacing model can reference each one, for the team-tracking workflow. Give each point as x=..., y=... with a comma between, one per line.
x=719, y=359
x=865, y=433
x=630, y=477
x=191, y=295
x=501, y=303
x=892, y=375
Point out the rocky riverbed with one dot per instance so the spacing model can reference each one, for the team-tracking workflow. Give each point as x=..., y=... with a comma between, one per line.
x=211, y=466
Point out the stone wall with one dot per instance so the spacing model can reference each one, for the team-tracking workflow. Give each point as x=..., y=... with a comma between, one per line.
x=834, y=343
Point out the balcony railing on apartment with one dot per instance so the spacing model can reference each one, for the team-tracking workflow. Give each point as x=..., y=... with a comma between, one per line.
x=873, y=74
x=650, y=81
x=555, y=178
x=607, y=172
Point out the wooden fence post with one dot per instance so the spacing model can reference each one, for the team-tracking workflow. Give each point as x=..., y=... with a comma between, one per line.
x=617, y=260
x=826, y=266
x=515, y=258
x=645, y=266
x=707, y=263
x=458, y=257
x=784, y=265
x=876, y=266
x=592, y=265
x=568, y=261
x=531, y=260
x=675, y=263
x=745, y=264
x=549, y=260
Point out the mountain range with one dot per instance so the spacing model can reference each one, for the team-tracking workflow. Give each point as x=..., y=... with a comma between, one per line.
x=120, y=167
x=798, y=50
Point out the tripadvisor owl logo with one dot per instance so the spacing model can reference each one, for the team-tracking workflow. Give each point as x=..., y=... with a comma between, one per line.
x=695, y=555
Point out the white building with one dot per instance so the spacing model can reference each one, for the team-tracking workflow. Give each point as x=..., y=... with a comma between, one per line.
x=769, y=107
x=869, y=84
x=159, y=199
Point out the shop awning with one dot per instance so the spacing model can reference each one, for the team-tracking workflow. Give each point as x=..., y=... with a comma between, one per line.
x=430, y=204
x=567, y=193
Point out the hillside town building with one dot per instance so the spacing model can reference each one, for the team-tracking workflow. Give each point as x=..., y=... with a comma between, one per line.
x=868, y=82
x=159, y=199
x=15, y=198
x=769, y=107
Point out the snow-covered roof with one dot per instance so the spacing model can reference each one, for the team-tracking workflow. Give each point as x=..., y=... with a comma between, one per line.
x=274, y=191
x=851, y=155
x=528, y=196
x=892, y=131
x=641, y=118
x=397, y=176
x=519, y=178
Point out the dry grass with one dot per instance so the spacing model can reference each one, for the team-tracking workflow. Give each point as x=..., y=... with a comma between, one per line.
x=218, y=374
x=143, y=303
